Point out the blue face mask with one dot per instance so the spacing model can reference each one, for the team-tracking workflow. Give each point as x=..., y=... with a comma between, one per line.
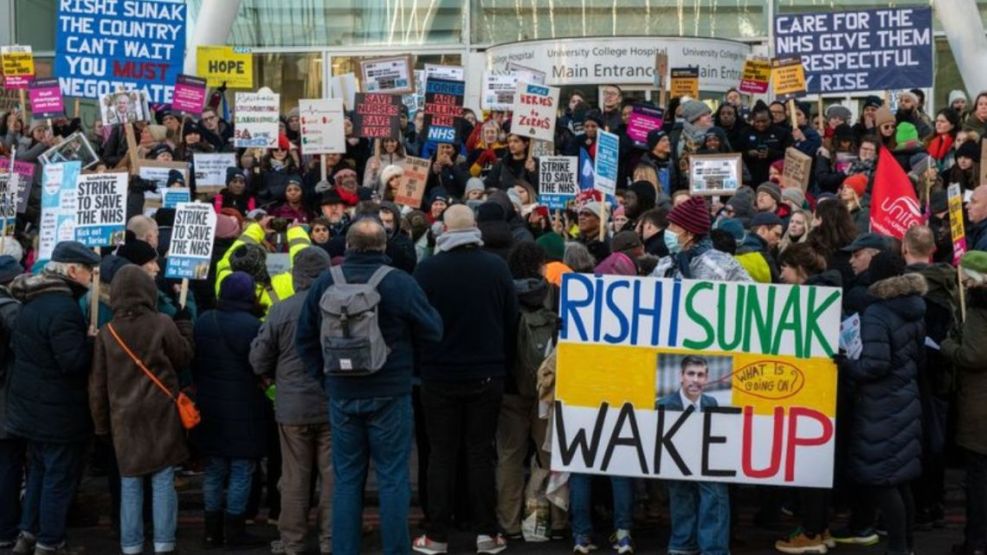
x=672, y=242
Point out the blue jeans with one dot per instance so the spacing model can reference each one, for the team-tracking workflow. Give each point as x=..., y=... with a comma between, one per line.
x=165, y=511
x=379, y=429
x=700, y=514
x=53, y=471
x=240, y=473
x=580, y=503
x=11, y=471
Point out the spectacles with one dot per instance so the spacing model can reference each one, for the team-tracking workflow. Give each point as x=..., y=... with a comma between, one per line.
x=887, y=126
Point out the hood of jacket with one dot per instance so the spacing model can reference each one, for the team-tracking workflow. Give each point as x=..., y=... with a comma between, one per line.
x=496, y=234
x=828, y=278
x=132, y=293
x=531, y=292
x=902, y=294
x=27, y=287
x=395, y=215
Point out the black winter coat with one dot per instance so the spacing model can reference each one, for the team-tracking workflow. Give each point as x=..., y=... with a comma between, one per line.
x=885, y=444
x=235, y=413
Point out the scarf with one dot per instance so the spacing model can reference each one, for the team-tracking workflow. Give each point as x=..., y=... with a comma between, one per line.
x=683, y=260
x=458, y=238
x=939, y=147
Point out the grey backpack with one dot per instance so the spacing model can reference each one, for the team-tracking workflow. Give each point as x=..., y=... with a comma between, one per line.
x=352, y=343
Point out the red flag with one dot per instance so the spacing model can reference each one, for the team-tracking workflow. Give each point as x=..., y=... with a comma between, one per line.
x=894, y=206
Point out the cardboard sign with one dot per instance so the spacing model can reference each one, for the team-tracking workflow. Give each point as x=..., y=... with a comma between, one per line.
x=210, y=170
x=788, y=77
x=75, y=147
x=101, y=209
x=861, y=50
x=46, y=99
x=443, y=109
x=957, y=233
x=558, y=182
x=256, y=118
x=322, y=129
x=172, y=197
x=124, y=107
x=715, y=174
x=190, y=95
x=774, y=385
x=535, y=108
x=685, y=82
x=526, y=74
x=798, y=169
x=57, y=206
x=983, y=167
x=191, y=241
x=388, y=75
x=498, y=92
x=377, y=116
x=18, y=66
x=641, y=121
x=101, y=47
x=225, y=64
x=411, y=186
x=605, y=164
x=756, y=78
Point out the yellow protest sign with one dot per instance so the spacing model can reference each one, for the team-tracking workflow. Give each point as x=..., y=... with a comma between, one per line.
x=17, y=63
x=685, y=82
x=225, y=64
x=756, y=77
x=788, y=77
x=956, y=231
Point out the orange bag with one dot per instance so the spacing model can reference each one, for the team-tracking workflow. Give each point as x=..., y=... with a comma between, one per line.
x=187, y=410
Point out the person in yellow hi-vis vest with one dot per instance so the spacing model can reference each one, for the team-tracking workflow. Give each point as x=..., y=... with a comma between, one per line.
x=270, y=289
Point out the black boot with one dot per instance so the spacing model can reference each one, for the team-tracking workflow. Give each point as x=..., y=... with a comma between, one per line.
x=237, y=535
x=214, y=530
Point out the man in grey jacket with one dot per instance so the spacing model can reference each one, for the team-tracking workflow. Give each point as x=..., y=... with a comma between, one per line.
x=300, y=410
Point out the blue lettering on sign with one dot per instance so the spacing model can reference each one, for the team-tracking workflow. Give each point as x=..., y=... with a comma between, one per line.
x=442, y=134
x=540, y=91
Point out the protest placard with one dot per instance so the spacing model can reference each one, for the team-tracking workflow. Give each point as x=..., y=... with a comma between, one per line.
x=191, y=241
x=46, y=99
x=756, y=77
x=157, y=172
x=714, y=174
x=526, y=74
x=642, y=120
x=58, y=184
x=228, y=65
x=850, y=340
x=377, y=116
x=411, y=186
x=443, y=108
x=685, y=82
x=863, y=50
x=535, y=111
x=190, y=95
x=958, y=234
x=210, y=170
x=498, y=90
x=173, y=196
x=17, y=63
x=255, y=119
x=798, y=169
x=102, y=47
x=558, y=182
x=124, y=107
x=23, y=169
x=605, y=164
x=788, y=77
x=322, y=129
x=10, y=186
x=277, y=263
x=388, y=75
x=766, y=350
x=344, y=87
x=75, y=147
x=452, y=73
x=983, y=167
x=101, y=209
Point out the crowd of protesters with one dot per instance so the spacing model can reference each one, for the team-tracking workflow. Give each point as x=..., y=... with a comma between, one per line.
x=468, y=286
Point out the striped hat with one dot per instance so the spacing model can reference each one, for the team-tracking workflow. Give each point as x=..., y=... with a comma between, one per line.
x=692, y=216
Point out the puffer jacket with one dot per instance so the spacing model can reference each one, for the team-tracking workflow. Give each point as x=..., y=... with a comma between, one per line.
x=885, y=443
x=9, y=308
x=702, y=262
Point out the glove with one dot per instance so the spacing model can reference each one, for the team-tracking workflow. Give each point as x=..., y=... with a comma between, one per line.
x=322, y=186
x=487, y=157
x=183, y=314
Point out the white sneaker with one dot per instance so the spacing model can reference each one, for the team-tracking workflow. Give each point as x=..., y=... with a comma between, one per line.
x=490, y=545
x=423, y=544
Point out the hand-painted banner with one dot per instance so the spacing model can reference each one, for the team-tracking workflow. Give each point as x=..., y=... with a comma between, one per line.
x=220, y=65
x=255, y=119
x=534, y=111
x=191, y=241
x=102, y=47
x=844, y=51
x=755, y=358
x=443, y=108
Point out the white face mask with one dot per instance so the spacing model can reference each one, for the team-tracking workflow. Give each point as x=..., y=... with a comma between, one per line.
x=672, y=242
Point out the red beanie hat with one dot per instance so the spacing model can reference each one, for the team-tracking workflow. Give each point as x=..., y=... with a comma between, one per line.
x=857, y=182
x=283, y=142
x=692, y=216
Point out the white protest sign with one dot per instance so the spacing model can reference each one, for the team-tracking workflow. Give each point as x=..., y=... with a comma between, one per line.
x=850, y=337
x=344, y=87
x=558, y=180
x=255, y=119
x=388, y=75
x=57, y=206
x=158, y=173
x=534, y=111
x=452, y=73
x=191, y=241
x=101, y=209
x=322, y=125
x=498, y=90
x=210, y=170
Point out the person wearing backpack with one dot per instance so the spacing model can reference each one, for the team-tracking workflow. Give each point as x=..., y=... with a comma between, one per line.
x=519, y=421
x=11, y=447
x=127, y=404
x=463, y=376
x=356, y=334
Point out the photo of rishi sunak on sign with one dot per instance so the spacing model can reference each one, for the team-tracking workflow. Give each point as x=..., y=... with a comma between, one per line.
x=696, y=380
